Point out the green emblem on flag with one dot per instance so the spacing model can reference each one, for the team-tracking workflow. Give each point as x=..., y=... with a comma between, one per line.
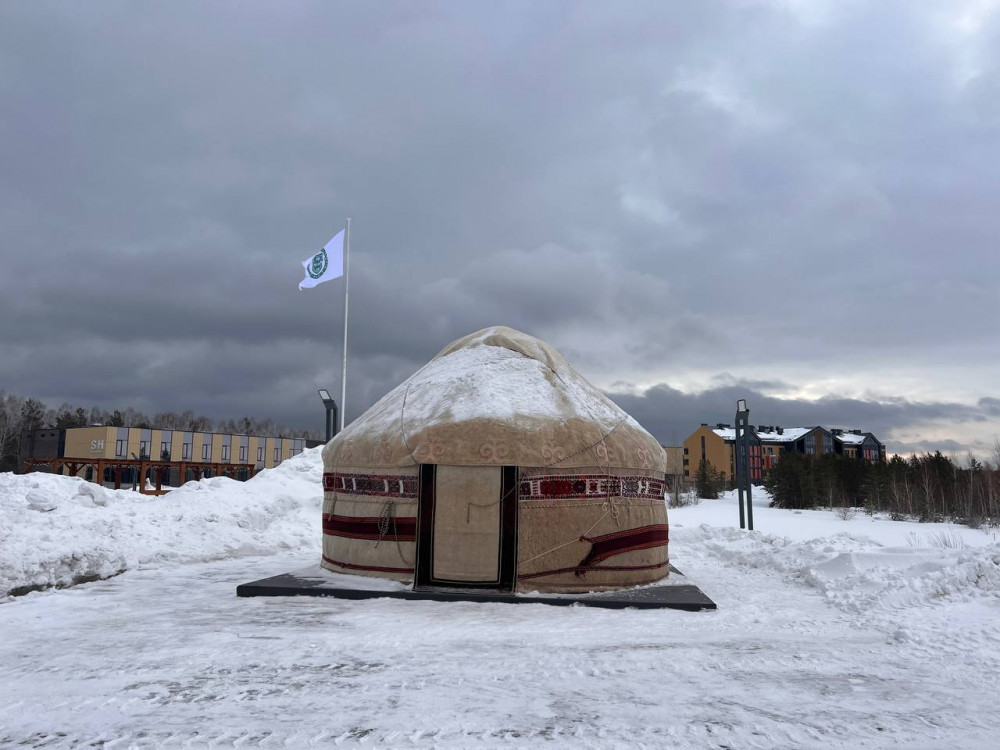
x=319, y=263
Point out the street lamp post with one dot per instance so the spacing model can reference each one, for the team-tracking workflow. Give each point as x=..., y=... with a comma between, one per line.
x=135, y=472
x=743, y=464
x=331, y=413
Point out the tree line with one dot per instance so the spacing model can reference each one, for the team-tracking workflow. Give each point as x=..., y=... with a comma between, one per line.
x=928, y=487
x=18, y=414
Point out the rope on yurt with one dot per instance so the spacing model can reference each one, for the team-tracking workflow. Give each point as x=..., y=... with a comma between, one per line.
x=572, y=541
x=608, y=506
x=402, y=415
x=387, y=518
x=470, y=505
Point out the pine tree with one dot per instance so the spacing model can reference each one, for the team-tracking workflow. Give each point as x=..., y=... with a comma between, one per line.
x=706, y=481
x=32, y=415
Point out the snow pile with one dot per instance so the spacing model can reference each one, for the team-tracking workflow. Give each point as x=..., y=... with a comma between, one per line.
x=895, y=578
x=57, y=531
x=860, y=564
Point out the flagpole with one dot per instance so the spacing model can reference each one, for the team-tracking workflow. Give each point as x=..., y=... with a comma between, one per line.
x=347, y=279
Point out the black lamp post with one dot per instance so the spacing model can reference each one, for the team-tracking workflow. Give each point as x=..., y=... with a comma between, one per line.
x=331, y=413
x=135, y=472
x=743, y=463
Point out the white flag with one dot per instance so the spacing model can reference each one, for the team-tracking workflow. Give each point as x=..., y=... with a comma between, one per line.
x=325, y=265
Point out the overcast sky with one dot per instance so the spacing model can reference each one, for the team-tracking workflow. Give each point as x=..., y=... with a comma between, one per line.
x=793, y=202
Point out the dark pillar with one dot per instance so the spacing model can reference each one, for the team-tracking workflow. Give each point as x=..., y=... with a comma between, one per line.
x=741, y=446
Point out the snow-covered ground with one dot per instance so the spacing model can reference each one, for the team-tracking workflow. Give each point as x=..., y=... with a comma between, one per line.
x=830, y=633
x=56, y=530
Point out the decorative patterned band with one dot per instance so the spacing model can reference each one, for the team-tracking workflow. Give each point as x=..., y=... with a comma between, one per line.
x=374, y=528
x=370, y=568
x=542, y=487
x=571, y=486
x=378, y=485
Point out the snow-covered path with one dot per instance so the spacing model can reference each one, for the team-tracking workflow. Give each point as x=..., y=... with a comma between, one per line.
x=171, y=657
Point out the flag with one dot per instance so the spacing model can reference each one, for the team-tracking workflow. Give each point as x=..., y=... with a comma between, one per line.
x=325, y=265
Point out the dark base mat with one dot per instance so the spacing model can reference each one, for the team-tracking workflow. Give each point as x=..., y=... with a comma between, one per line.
x=672, y=596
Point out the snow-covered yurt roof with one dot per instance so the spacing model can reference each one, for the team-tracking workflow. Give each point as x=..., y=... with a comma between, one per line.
x=496, y=396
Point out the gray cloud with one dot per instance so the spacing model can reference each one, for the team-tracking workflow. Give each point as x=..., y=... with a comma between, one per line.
x=672, y=415
x=990, y=406
x=609, y=178
x=931, y=446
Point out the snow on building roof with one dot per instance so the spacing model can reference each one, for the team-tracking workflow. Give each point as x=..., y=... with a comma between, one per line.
x=850, y=438
x=787, y=435
x=790, y=434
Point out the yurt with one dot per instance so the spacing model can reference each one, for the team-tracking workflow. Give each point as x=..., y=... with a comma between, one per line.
x=496, y=466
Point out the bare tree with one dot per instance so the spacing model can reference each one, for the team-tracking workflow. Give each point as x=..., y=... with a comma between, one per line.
x=10, y=411
x=200, y=424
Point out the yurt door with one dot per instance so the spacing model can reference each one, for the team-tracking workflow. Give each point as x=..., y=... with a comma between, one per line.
x=467, y=527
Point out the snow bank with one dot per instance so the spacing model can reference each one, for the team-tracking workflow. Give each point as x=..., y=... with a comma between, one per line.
x=859, y=564
x=57, y=531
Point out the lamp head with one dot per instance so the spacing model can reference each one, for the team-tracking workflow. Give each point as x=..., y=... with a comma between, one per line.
x=741, y=405
x=324, y=394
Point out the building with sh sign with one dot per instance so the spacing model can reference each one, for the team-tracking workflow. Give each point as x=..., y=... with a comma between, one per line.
x=119, y=455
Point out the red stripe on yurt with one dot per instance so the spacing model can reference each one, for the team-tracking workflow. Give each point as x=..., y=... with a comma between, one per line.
x=371, y=568
x=579, y=571
x=619, y=542
x=361, y=527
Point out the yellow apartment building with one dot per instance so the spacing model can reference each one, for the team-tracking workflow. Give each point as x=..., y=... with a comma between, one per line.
x=163, y=456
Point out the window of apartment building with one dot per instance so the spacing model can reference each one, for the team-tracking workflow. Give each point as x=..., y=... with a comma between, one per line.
x=685, y=451
x=243, y=454
x=260, y=453
x=165, y=450
x=186, y=451
x=205, y=451
x=276, y=454
x=120, y=448
x=143, y=448
x=225, y=453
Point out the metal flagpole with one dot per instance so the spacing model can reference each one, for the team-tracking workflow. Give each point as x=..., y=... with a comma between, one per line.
x=347, y=278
